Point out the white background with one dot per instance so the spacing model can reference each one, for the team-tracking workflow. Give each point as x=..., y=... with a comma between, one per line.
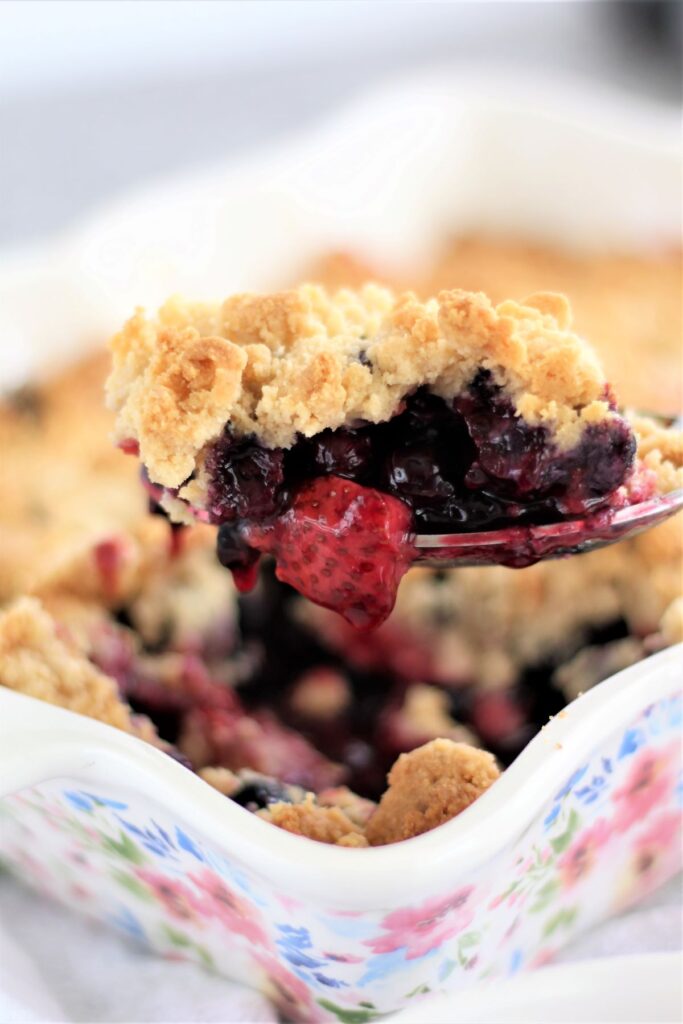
x=98, y=96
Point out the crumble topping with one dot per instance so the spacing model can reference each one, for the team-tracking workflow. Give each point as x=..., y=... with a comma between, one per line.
x=38, y=660
x=424, y=715
x=301, y=361
x=324, y=824
x=660, y=450
x=428, y=787
x=672, y=623
x=65, y=489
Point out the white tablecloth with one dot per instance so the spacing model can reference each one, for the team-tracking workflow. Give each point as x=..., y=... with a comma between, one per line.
x=55, y=966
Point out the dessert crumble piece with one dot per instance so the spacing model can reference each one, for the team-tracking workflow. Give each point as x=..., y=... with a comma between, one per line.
x=38, y=660
x=327, y=430
x=423, y=716
x=428, y=787
x=324, y=824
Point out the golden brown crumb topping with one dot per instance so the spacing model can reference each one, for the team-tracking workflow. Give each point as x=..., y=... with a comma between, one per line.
x=660, y=449
x=324, y=824
x=428, y=787
x=37, y=661
x=301, y=361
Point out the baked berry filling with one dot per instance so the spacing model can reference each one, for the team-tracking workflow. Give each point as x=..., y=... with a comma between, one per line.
x=337, y=510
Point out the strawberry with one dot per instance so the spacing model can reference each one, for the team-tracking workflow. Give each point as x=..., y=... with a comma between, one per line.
x=343, y=546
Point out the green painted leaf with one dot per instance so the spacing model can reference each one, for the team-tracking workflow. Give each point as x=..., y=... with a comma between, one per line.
x=123, y=847
x=570, y=916
x=133, y=885
x=561, y=842
x=370, y=1006
x=418, y=991
x=204, y=956
x=545, y=895
x=562, y=919
x=177, y=938
x=358, y=1016
x=469, y=939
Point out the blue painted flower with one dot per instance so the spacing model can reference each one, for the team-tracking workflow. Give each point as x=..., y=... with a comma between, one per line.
x=515, y=961
x=105, y=801
x=633, y=740
x=589, y=794
x=125, y=921
x=293, y=942
x=382, y=965
x=330, y=982
x=80, y=801
x=571, y=782
x=154, y=839
x=551, y=815
x=188, y=844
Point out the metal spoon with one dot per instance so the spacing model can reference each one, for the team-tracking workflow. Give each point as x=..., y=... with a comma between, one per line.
x=519, y=546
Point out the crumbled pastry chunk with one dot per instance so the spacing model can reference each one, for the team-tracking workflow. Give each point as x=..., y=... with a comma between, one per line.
x=627, y=302
x=301, y=361
x=661, y=451
x=37, y=661
x=354, y=807
x=321, y=693
x=324, y=824
x=428, y=787
x=65, y=487
x=222, y=779
x=188, y=597
x=672, y=623
x=594, y=663
x=356, y=840
x=424, y=716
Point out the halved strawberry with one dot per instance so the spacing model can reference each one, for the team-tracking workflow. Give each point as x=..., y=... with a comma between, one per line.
x=343, y=546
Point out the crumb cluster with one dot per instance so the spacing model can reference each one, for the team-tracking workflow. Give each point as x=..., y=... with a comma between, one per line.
x=427, y=787
x=298, y=362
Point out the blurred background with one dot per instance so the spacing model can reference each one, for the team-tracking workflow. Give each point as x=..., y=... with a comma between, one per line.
x=97, y=97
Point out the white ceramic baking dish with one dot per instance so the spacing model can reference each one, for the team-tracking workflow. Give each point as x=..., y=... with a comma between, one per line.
x=586, y=819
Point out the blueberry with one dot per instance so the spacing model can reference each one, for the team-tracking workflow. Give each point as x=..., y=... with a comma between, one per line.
x=343, y=452
x=246, y=479
x=233, y=552
x=258, y=794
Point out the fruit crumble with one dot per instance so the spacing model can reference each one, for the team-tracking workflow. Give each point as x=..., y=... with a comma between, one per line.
x=327, y=430
x=270, y=697
x=39, y=662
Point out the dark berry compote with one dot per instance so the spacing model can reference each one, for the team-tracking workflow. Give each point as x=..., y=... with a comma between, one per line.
x=338, y=511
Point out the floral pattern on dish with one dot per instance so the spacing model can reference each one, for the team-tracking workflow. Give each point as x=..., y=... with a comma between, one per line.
x=610, y=835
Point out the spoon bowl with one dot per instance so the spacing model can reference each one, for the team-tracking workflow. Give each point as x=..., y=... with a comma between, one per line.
x=520, y=546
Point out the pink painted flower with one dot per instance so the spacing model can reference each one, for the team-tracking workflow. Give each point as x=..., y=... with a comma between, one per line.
x=234, y=912
x=288, y=993
x=79, y=892
x=178, y=900
x=78, y=857
x=288, y=902
x=543, y=957
x=343, y=958
x=421, y=929
x=648, y=783
x=581, y=856
x=655, y=857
